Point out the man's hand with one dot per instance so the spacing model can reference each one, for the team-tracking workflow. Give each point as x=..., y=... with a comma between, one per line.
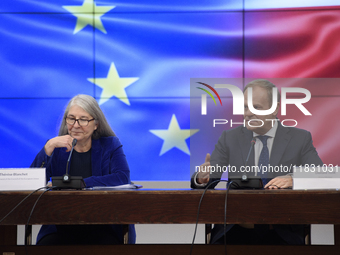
x=280, y=182
x=204, y=172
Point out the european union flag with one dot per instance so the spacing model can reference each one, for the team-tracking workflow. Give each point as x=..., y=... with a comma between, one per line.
x=135, y=58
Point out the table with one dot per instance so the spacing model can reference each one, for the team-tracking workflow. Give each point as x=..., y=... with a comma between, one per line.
x=170, y=206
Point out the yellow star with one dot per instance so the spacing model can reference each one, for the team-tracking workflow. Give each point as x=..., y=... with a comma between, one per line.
x=88, y=14
x=113, y=85
x=174, y=136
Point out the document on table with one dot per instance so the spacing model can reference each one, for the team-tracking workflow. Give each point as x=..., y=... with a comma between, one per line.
x=124, y=186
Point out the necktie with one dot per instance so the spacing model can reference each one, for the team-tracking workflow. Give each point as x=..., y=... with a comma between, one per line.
x=264, y=159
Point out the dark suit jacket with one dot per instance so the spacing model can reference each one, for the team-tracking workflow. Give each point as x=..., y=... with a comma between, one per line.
x=291, y=146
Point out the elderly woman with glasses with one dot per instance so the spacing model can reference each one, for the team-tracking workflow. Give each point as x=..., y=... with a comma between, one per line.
x=97, y=156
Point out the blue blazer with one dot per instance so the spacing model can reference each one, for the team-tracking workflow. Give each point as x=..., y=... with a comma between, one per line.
x=109, y=168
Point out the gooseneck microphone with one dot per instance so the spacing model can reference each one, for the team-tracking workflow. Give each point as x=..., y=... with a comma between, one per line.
x=244, y=181
x=66, y=177
x=67, y=181
x=244, y=177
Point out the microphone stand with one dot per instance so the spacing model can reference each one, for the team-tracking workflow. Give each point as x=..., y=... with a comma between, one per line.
x=244, y=181
x=67, y=181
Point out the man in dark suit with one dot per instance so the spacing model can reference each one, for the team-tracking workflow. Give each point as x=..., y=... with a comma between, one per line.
x=280, y=147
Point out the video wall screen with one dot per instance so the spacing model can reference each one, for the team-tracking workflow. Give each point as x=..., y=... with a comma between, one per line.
x=137, y=58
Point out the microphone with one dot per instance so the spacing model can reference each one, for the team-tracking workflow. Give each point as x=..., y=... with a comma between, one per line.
x=66, y=176
x=66, y=181
x=244, y=177
x=244, y=181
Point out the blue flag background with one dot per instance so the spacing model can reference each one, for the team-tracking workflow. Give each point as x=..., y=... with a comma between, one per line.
x=50, y=54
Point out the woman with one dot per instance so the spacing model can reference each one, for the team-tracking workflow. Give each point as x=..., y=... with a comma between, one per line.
x=97, y=156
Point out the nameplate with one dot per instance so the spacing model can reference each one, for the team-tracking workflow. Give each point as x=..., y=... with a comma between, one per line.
x=312, y=177
x=22, y=178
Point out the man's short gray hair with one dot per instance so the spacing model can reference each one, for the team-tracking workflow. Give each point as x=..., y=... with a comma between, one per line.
x=267, y=85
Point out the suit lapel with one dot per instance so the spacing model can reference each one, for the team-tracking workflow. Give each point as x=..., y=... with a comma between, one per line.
x=281, y=140
x=96, y=158
x=245, y=143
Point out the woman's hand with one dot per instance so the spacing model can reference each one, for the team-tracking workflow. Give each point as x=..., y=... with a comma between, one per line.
x=64, y=141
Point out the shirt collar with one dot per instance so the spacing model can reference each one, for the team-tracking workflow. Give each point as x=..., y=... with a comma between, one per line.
x=271, y=132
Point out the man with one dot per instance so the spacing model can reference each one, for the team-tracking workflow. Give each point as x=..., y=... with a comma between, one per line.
x=275, y=146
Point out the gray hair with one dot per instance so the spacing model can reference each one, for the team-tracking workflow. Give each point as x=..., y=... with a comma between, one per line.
x=267, y=85
x=90, y=105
